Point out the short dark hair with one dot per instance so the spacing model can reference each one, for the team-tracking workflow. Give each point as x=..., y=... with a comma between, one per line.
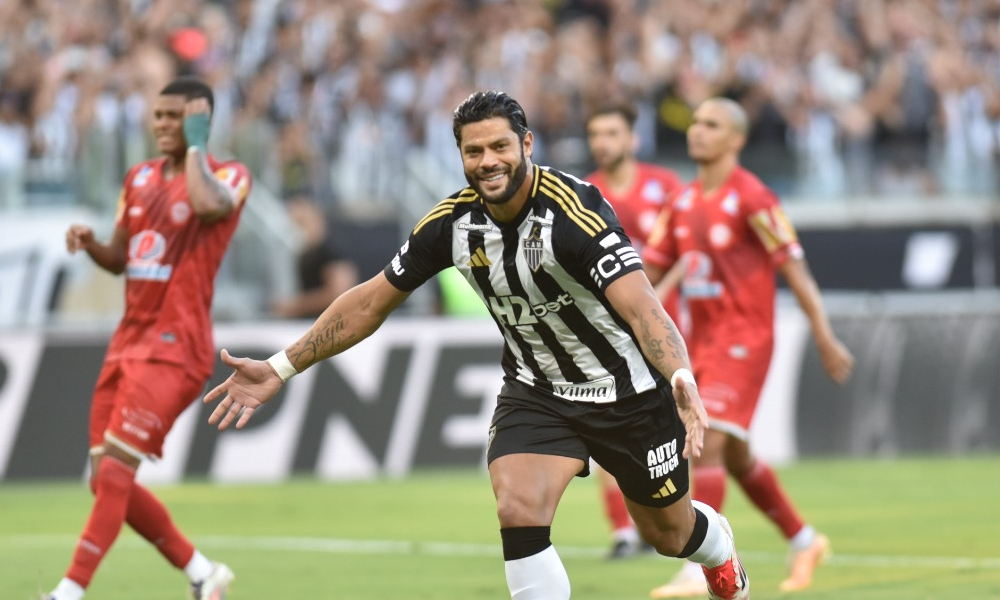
x=190, y=88
x=624, y=109
x=485, y=105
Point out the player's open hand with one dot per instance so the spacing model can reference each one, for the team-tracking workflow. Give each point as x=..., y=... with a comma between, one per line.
x=252, y=384
x=693, y=414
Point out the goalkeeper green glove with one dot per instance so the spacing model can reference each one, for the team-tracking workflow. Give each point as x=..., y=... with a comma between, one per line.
x=196, y=130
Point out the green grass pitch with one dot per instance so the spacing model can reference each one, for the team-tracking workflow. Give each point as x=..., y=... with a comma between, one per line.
x=913, y=529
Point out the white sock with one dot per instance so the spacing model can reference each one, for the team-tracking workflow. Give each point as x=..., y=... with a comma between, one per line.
x=198, y=568
x=68, y=590
x=540, y=576
x=717, y=547
x=803, y=539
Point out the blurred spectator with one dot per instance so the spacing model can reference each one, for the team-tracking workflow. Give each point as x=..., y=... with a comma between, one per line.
x=324, y=270
x=846, y=97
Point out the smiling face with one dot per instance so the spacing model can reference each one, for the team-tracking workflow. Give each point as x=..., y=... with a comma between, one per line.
x=494, y=159
x=611, y=140
x=715, y=133
x=168, y=124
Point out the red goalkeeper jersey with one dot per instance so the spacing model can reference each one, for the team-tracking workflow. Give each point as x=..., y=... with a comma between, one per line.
x=172, y=261
x=730, y=242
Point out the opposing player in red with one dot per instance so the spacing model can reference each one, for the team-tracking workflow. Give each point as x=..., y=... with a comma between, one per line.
x=638, y=192
x=721, y=239
x=176, y=216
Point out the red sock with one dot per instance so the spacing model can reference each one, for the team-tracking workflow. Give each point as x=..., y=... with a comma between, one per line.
x=709, y=485
x=615, y=509
x=114, y=486
x=763, y=489
x=150, y=519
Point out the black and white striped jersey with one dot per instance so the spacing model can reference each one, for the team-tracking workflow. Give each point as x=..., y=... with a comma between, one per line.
x=543, y=278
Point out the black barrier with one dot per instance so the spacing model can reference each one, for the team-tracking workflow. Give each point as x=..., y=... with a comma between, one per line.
x=925, y=383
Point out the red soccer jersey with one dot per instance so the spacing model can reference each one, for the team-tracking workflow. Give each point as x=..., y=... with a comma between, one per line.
x=170, y=271
x=730, y=242
x=638, y=207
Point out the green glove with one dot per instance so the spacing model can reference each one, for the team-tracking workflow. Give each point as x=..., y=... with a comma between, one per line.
x=196, y=130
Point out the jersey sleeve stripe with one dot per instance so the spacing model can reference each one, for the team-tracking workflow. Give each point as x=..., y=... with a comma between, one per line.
x=573, y=198
x=588, y=226
x=445, y=207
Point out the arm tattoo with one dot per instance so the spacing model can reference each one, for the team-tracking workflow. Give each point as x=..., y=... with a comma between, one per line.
x=660, y=338
x=323, y=341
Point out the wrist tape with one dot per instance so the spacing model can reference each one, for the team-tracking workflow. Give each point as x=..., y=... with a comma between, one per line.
x=282, y=366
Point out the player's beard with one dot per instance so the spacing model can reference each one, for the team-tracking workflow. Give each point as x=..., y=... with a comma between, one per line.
x=611, y=165
x=517, y=177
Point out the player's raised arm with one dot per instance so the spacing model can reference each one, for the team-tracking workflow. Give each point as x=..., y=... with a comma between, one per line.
x=634, y=299
x=210, y=198
x=349, y=319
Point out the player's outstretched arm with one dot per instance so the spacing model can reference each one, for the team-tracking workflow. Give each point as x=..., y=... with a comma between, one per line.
x=351, y=318
x=634, y=299
x=836, y=358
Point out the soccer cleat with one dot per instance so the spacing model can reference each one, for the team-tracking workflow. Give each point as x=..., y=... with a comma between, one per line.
x=804, y=562
x=685, y=584
x=729, y=580
x=215, y=586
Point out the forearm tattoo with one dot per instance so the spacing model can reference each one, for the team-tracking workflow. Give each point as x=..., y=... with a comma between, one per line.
x=661, y=340
x=327, y=338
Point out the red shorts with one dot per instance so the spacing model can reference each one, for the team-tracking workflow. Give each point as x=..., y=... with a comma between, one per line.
x=136, y=403
x=730, y=377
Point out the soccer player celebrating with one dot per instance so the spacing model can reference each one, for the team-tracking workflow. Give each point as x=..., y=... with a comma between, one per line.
x=720, y=239
x=176, y=216
x=593, y=365
x=637, y=191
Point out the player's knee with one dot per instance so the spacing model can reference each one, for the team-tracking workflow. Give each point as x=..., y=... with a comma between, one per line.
x=668, y=542
x=518, y=510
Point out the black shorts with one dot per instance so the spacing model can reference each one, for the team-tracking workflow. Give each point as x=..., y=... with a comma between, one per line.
x=639, y=440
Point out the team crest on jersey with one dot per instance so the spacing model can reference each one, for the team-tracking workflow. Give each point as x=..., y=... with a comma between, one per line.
x=533, y=247
x=142, y=177
x=180, y=212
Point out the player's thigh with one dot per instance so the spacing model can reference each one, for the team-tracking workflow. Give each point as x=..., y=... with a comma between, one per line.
x=528, y=486
x=640, y=441
x=149, y=399
x=102, y=404
x=533, y=452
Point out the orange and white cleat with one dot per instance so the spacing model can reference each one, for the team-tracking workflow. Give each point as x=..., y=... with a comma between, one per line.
x=802, y=563
x=729, y=580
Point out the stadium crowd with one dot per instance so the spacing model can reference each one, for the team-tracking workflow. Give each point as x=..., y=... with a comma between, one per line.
x=345, y=101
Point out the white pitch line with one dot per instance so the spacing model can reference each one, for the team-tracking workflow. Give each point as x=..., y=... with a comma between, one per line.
x=450, y=549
